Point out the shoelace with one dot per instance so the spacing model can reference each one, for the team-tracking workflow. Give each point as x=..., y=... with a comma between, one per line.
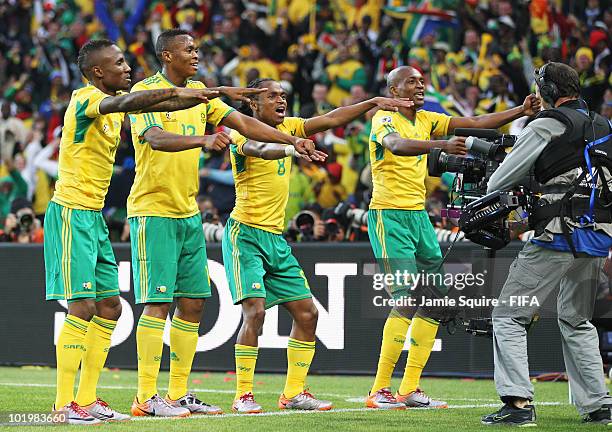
x=163, y=401
x=308, y=394
x=386, y=394
x=78, y=410
x=247, y=397
x=422, y=393
x=104, y=404
x=194, y=400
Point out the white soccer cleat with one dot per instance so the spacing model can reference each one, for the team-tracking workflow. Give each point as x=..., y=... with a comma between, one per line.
x=100, y=410
x=77, y=416
x=304, y=401
x=158, y=407
x=383, y=399
x=418, y=399
x=246, y=404
x=194, y=405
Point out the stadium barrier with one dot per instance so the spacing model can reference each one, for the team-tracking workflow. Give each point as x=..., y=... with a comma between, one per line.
x=350, y=317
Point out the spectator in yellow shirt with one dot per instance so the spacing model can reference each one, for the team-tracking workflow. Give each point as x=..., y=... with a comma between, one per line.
x=341, y=75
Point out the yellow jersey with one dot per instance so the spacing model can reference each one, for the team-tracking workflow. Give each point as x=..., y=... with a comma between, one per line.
x=87, y=151
x=399, y=181
x=262, y=186
x=166, y=184
x=345, y=71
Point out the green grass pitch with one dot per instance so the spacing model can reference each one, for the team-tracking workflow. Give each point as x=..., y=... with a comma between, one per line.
x=31, y=389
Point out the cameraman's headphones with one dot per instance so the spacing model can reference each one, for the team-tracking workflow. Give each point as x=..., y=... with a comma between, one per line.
x=548, y=89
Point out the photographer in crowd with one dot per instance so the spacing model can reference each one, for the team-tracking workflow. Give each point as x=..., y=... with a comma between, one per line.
x=572, y=238
x=21, y=225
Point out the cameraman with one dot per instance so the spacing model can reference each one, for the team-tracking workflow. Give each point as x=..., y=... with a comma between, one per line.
x=21, y=225
x=564, y=252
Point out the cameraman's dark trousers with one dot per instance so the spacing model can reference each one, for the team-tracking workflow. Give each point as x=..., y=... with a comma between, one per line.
x=536, y=273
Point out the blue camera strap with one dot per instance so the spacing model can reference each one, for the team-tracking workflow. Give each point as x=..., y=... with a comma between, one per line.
x=588, y=218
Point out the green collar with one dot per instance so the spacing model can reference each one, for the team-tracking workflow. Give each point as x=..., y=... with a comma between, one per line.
x=165, y=78
x=411, y=122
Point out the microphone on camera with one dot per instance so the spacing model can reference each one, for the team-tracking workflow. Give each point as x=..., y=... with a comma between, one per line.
x=479, y=133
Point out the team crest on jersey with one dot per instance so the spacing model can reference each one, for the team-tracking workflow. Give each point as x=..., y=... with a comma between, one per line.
x=106, y=129
x=161, y=289
x=169, y=116
x=203, y=118
x=256, y=285
x=386, y=119
x=87, y=285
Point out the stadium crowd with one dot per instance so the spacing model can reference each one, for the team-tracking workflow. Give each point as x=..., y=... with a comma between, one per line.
x=478, y=56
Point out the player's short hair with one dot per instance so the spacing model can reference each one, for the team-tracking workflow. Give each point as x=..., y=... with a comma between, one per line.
x=565, y=78
x=165, y=39
x=256, y=83
x=87, y=51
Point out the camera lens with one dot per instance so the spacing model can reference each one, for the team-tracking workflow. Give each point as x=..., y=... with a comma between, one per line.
x=26, y=220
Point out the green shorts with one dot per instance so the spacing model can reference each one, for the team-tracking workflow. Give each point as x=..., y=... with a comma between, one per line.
x=168, y=258
x=404, y=240
x=79, y=259
x=259, y=263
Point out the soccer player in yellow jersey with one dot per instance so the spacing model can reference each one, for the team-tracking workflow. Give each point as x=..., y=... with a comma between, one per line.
x=168, y=249
x=399, y=228
x=79, y=263
x=260, y=268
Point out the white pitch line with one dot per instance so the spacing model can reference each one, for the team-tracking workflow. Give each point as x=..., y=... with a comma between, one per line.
x=355, y=399
x=332, y=411
x=288, y=413
x=273, y=413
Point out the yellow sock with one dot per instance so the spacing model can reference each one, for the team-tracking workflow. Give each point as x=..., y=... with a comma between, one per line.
x=149, y=344
x=69, y=351
x=299, y=357
x=183, y=342
x=97, y=342
x=246, y=357
x=422, y=337
x=394, y=336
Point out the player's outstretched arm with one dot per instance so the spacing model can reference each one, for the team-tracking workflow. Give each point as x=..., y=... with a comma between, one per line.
x=161, y=140
x=257, y=131
x=271, y=151
x=153, y=100
x=409, y=147
x=238, y=93
x=531, y=106
x=343, y=115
